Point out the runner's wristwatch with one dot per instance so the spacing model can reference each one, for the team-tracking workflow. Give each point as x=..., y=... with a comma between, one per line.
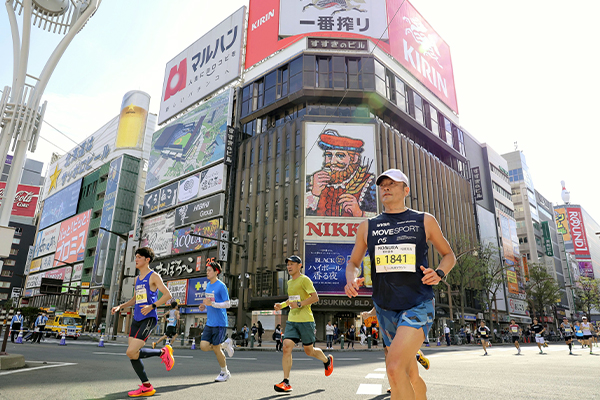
x=154, y=306
x=299, y=304
x=440, y=273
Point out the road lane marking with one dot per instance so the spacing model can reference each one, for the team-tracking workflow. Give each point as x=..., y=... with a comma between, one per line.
x=123, y=354
x=243, y=358
x=380, y=370
x=375, y=376
x=34, y=368
x=348, y=359
x=366, y=388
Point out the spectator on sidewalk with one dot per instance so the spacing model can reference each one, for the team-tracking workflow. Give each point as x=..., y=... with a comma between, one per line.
x=260, y=333
x=329, y=331
x=336, y=333
x=468, y=334
x=363, y=334
x=277, y=336
x=447, y=334
x=245, y=332
x=254, y=331
x=351, y=335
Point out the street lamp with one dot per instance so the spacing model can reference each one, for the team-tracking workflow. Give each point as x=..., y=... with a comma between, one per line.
x=111, y=296
x=20, y=113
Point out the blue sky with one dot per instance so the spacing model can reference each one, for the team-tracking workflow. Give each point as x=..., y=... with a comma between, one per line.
x=524, y=71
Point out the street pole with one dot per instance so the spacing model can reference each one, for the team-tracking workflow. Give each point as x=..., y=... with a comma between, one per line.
x=111, y=296
x=21, y=115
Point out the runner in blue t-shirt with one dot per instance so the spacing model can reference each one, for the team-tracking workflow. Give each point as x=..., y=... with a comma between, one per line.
x=144, y=303
x=215, y=303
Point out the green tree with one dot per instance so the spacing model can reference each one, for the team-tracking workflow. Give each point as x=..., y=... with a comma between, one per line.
x=587, y=291
x=542, y=289
x=464, y=274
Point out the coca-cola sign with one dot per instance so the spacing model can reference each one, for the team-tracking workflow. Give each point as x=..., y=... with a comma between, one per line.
x=26, y=199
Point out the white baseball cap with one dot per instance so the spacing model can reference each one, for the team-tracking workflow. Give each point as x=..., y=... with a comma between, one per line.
x=394, y=174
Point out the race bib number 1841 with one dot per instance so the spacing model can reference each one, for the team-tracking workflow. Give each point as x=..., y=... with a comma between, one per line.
x=395, y=258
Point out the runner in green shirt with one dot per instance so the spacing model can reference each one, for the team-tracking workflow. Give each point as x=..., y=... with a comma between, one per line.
x=300, y=325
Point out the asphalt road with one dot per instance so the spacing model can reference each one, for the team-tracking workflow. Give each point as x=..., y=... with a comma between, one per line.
x=82, y=370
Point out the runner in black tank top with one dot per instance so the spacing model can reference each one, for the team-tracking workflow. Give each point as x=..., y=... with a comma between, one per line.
x=402, y=280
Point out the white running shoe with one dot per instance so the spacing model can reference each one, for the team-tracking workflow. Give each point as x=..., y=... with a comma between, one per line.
x=519, y=350
x=223, y=377
x=228, y=347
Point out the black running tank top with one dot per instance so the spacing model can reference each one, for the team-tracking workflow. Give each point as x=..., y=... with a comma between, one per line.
x=397, y=246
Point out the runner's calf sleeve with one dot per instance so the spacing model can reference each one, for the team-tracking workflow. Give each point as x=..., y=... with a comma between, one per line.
x=138, y=367
x=145, y=353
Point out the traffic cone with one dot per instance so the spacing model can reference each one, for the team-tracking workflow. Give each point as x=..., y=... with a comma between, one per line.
x=101, y=342
x=194, y=344
x=438, y=342
x=63, y=340
x=427, y=344
x=20, y=337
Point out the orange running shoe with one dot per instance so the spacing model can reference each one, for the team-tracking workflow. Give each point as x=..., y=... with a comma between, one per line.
x=142, y=391
x=329, y=369
x=283, y=387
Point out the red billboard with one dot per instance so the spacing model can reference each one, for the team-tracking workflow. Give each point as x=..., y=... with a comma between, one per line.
x=412, y=42
x=26, y=199
x=578, y=235
x=415, y=45
x=73, y=238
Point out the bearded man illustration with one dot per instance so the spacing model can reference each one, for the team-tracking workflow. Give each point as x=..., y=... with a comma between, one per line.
x=344, y=187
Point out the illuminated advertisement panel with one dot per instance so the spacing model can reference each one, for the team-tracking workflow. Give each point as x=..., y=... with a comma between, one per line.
x=26, y=199
x=577, y=229
x=191, y=142
x=60, y=205
x=73, y=239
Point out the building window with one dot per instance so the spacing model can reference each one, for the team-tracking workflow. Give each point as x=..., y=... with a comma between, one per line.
x=9, y=262
x=285, y=209
x=296, y=206
x=258, y=187
x=354, y=68
x=267, y=180
x=256, y=215
x=276, y=177
x=4, y=285
x=274, y=245
x=270, y=83
x=276, y=210
x=250, y=188
x=16, y=241
x=418, y=102
x=242, y=188
x=278, y=148
x=448, y=132
x=298, y=139
x=252, y=156
x=288, y=143
x=7, y=273
x=258, y=94
x=14, y=252
x=287, y=173
x=390, y=86
x=461, y=142
x=433, y=120
x=264, y=250
x=254, y=248
x=260, y=153
x=283, y=81
x=380, y=78
x=295, y=241
x=246, y=100
x=285, y=242
x=266, y=214
x=401, y=94
x=297, y=171
x=18, y=231
x=296, y=74
x=324, y=72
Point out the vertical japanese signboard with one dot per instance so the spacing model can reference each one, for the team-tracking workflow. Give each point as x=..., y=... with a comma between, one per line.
x=547, y=239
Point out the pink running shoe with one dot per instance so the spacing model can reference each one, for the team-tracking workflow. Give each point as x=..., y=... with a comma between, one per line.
x=167, y=357
x=142, y=391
